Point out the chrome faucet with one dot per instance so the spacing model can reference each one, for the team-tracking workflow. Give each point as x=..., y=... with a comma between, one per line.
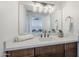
x=45, y=34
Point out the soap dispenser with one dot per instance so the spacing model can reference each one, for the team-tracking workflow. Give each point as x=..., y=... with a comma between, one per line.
x=60, y=34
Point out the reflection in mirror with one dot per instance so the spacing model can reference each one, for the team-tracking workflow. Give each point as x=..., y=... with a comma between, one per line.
x=35, y=22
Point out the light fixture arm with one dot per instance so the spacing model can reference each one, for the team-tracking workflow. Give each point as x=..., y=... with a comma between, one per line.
x=43, y=3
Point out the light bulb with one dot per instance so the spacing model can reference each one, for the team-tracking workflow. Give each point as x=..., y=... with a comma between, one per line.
x=51, y=10
x=40, y=8
x=45, y=9
x=35, y=7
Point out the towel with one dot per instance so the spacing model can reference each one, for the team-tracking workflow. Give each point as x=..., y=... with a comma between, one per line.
x=24, y=37
x=71, y=27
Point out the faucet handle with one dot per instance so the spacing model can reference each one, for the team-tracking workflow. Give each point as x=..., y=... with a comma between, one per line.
x=41, y=35
x=47, y=35
x=49, y=31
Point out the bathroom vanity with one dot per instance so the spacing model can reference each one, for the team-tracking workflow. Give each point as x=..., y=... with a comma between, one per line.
x=61, y=50
x=56, y=47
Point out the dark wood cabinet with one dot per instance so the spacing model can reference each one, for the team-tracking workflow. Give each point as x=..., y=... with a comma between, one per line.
x=71, y=49
x=52, y=51
x=21, y=53
x=62, y=50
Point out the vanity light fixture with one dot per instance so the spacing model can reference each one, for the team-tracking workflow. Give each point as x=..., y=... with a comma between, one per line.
x=35, y=5
x=43, y=7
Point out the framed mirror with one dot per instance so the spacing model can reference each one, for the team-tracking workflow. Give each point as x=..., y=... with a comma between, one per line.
x=34, y=22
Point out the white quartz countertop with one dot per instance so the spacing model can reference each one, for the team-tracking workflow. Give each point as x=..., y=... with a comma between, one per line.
x=37, y=42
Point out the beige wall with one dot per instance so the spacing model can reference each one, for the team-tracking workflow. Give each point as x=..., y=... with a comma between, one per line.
x=72, y=9
x=8, y=22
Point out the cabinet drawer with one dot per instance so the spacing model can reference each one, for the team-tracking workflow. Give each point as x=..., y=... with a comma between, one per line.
x=21, y=53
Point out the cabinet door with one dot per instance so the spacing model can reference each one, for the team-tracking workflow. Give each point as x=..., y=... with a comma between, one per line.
x=21, y=53
x=50, y=51
x=71, y=49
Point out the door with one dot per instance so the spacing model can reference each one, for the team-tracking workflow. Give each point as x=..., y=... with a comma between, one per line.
x=71, y=49
x=50, y=51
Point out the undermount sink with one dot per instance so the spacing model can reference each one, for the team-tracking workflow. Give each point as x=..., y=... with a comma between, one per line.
x=50, y=38
x=46, y=39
